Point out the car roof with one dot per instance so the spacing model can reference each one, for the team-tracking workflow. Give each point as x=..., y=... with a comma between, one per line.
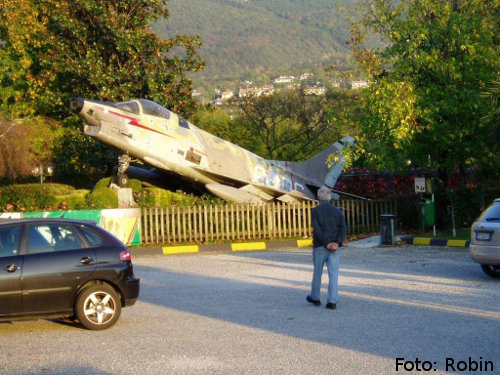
x=5, y=221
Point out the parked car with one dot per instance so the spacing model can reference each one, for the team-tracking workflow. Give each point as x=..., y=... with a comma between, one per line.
x=485, y=240
x=64, y=268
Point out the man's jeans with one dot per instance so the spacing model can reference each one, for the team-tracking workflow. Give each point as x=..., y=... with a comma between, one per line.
x=322, y=255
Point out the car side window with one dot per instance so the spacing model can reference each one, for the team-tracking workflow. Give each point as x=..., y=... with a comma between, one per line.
x=92, y=238
x=52, y=237
x=9, y=241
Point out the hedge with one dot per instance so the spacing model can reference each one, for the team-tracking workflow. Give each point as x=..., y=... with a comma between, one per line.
x=30, y=197
x=103, y=197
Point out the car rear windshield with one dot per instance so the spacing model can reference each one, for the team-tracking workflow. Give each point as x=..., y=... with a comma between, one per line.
x=492, y=213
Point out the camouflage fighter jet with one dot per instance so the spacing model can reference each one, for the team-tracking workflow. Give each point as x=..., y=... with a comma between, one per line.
x=144, y=131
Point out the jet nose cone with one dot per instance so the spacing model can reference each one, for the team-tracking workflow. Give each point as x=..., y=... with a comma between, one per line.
x=76, y=104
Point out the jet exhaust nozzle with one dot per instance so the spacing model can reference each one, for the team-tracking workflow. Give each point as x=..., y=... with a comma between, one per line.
x=76, y=104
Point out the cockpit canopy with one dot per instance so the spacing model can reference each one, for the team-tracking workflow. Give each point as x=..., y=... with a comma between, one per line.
x=148, y=108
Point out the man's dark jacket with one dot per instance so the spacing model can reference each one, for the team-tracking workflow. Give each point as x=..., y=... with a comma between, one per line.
x=328, y=224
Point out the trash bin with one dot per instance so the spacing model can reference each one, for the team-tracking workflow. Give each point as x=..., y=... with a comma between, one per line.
x=428, y=212
x=387, y=229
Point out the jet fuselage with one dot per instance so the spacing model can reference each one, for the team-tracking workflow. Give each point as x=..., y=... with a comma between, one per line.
x=149, y=132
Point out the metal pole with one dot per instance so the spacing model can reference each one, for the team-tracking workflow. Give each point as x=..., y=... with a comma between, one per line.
x=434, y=226
x=453, y=220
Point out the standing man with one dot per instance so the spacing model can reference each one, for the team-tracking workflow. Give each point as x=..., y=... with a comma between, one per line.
x=329, y=232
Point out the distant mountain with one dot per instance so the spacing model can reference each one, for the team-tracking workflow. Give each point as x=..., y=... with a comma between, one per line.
x=245, y=38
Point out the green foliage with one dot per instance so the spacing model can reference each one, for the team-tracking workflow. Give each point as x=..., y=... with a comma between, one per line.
x=103, y=183
x=407, y=215
x=287, y=125
x=30, y=197
x=469, y=203
x=135, y=185
x=262, y=38
x=25, y=144
x=427, y=107
x=217, y=122
x=102, y=49
x=58, y=189
x=81, y=161
x=156, y=197
x=76, y=200
x=103, y=197
x=42, y=197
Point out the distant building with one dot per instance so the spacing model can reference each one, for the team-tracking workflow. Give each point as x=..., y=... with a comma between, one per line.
x=251, y=91
x=267, y=89
x=304, y=76
x=359, y=84
x=284, y=79
x=315, y=90
x=226, y=95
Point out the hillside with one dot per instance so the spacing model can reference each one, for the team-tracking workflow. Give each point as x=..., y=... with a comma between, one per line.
x=245, y=38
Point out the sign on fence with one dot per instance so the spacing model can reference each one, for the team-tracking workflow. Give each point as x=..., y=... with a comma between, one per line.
x=420, y=185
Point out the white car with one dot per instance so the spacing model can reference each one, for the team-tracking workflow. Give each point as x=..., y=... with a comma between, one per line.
x=485, y=240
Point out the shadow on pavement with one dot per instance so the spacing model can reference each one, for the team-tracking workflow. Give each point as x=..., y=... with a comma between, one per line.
x=390, y=305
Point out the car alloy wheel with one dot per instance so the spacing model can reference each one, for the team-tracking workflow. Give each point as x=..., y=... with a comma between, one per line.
x=98, y=307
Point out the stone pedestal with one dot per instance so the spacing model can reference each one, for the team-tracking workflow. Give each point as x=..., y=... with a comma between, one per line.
x=126, y=198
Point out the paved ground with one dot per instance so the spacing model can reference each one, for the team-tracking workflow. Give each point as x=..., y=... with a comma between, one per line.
x=245, y=313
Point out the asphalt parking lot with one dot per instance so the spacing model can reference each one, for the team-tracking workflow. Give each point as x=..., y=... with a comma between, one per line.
x=246, y=313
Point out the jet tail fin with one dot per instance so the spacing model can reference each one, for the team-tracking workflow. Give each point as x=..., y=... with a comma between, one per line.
x=316, y=167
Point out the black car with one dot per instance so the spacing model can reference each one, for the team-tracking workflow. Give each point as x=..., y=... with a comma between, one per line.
x=64, y=268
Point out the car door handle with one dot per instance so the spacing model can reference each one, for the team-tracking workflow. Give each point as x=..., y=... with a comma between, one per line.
x=11, y=268
x=86, y=260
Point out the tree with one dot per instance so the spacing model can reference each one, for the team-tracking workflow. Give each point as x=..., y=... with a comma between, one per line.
x=287, y=125
x=24, y=144
x=102, y=49
x=218, y=122
x=424, y=101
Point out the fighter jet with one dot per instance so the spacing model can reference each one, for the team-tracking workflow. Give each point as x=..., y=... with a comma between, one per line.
x=144, y=131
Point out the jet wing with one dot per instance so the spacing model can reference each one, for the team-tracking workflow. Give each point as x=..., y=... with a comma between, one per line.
x=231, y=193
x=222, y=178
x=229, y=185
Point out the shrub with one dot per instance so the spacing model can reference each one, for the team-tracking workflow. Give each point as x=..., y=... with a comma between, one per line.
x=31, y=197
x=77, y=200
x=155, y=197
x=468, y=203
x=103, y=183
x=103, y=197
x=408, y=214
x=59, y=189
x=135, y=185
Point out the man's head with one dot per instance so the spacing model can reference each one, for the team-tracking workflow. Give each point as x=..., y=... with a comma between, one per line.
x=324, y=195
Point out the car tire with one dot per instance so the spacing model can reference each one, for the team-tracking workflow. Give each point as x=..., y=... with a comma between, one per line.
x=98, y=307
x=491, y=270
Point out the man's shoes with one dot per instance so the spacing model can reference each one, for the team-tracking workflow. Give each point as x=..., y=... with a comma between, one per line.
x=314, y=302
x=331, y=306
